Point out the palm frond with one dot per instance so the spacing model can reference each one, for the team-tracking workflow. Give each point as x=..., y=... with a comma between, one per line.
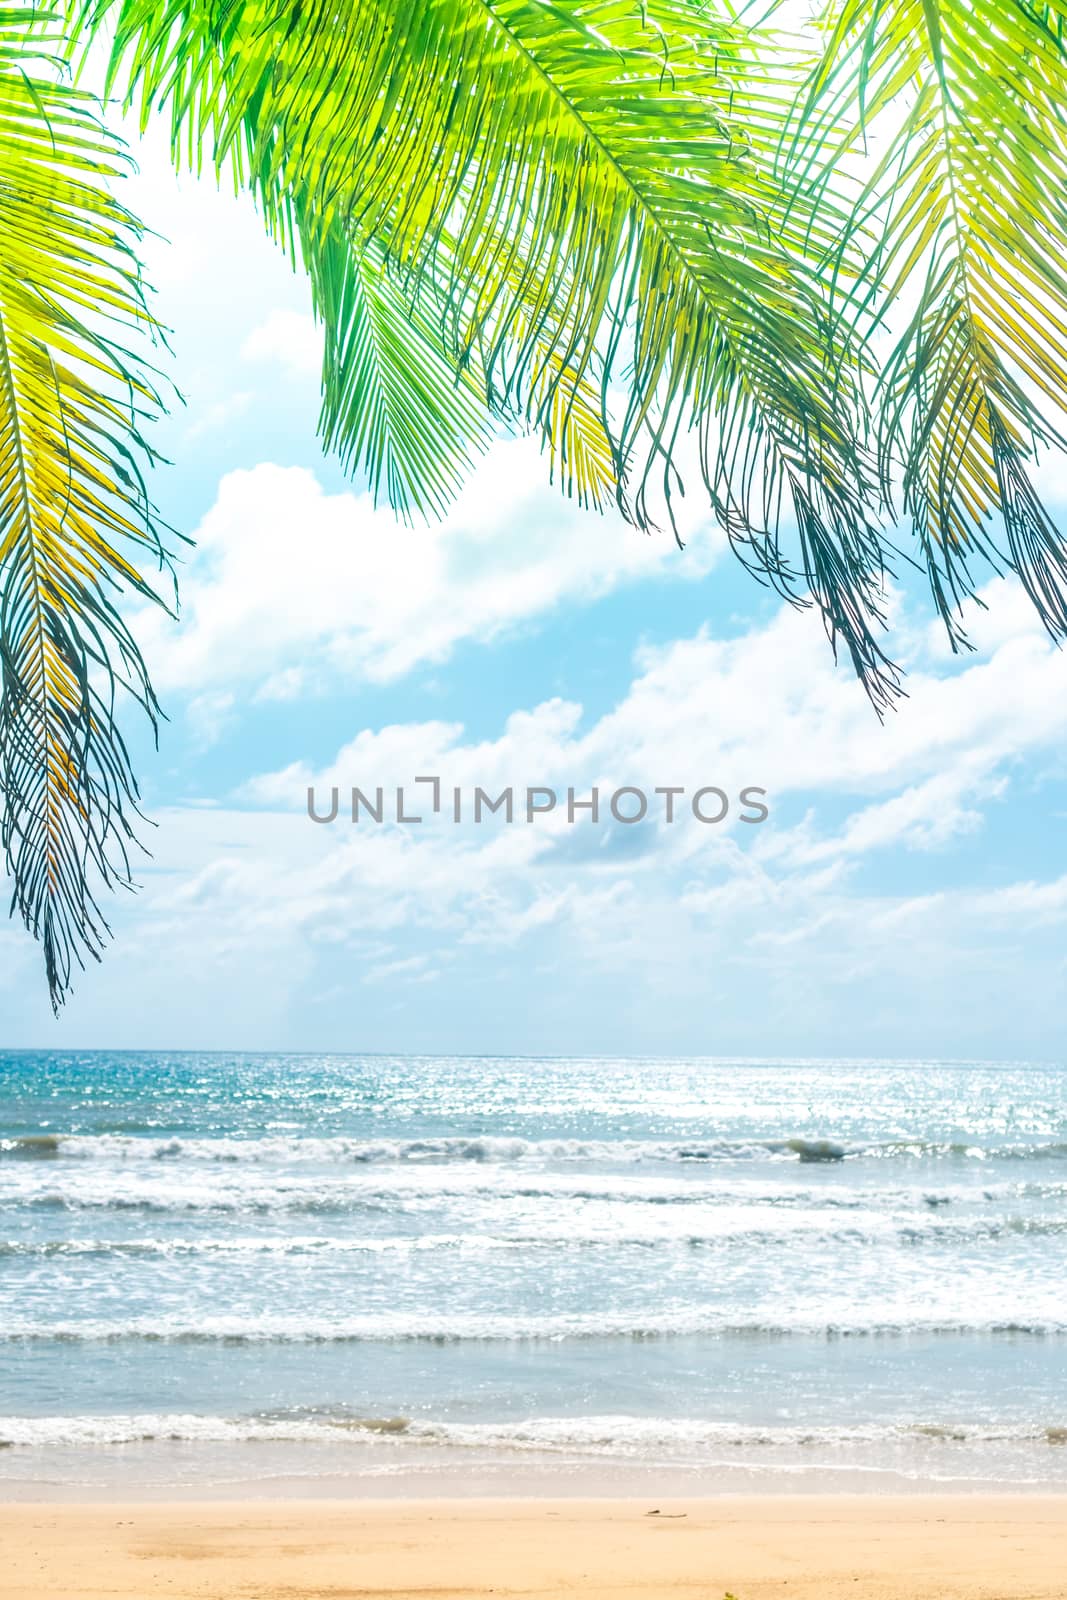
x=962, y=108
x=392, y=401
x=74, y=514
x=574, y=177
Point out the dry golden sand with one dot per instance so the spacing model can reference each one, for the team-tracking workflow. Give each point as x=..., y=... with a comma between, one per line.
x=806, y=1548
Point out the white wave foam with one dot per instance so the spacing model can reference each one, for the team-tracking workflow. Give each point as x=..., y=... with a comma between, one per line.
x=484, y=1149
x=604, y=1229
x=610, y=1435
x=162, y=1187
x=1042, y=1316
x=475, y=1149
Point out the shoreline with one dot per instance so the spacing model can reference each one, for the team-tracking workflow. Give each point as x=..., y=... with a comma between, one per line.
x=755, y=1547
x=161, y=1472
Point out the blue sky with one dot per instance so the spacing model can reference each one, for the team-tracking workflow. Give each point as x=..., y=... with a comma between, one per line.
x=907, y=896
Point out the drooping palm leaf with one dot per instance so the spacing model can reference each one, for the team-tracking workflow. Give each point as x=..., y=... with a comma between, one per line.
x=574, y=177
x=962, y=106
x=392, y=401
x=74, y=515
x=397, y=406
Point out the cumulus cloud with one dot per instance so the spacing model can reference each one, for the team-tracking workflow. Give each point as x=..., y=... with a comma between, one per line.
x=301, y=937
x=761, y=709
x=287, y=574
x=637, y=932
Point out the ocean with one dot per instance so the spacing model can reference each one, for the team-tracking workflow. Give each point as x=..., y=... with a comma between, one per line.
x=423, y=1274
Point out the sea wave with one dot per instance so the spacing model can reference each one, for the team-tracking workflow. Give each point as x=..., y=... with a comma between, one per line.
x=481, y=1149
x=740, y=1226
x=609, y=1435
x=418, y=1193
x=241, y=1328
x=486, y=1150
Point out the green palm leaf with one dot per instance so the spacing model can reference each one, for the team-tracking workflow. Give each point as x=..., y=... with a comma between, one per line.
x=396, y=403
x=74, y=516
x=573, y=179
x=964, y=103
x=392, y=401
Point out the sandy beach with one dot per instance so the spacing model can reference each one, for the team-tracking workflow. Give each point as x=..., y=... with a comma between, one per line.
x=807, y=1548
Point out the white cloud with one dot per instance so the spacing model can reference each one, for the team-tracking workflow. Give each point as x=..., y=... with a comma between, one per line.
x=409, y=969
x=217, y=416
x=627, y=938
x=287, y=574
x=764, y=709
x=259, y=913
x=292, y=339
x=774, y=907
x=260, y=908
x=1001, y=610
x=209, y=715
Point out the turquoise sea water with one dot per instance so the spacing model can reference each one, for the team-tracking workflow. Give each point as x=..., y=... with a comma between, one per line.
x=397, y=1269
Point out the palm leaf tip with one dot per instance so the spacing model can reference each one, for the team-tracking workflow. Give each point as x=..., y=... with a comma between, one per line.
x=75, y=519
x=393, y=402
